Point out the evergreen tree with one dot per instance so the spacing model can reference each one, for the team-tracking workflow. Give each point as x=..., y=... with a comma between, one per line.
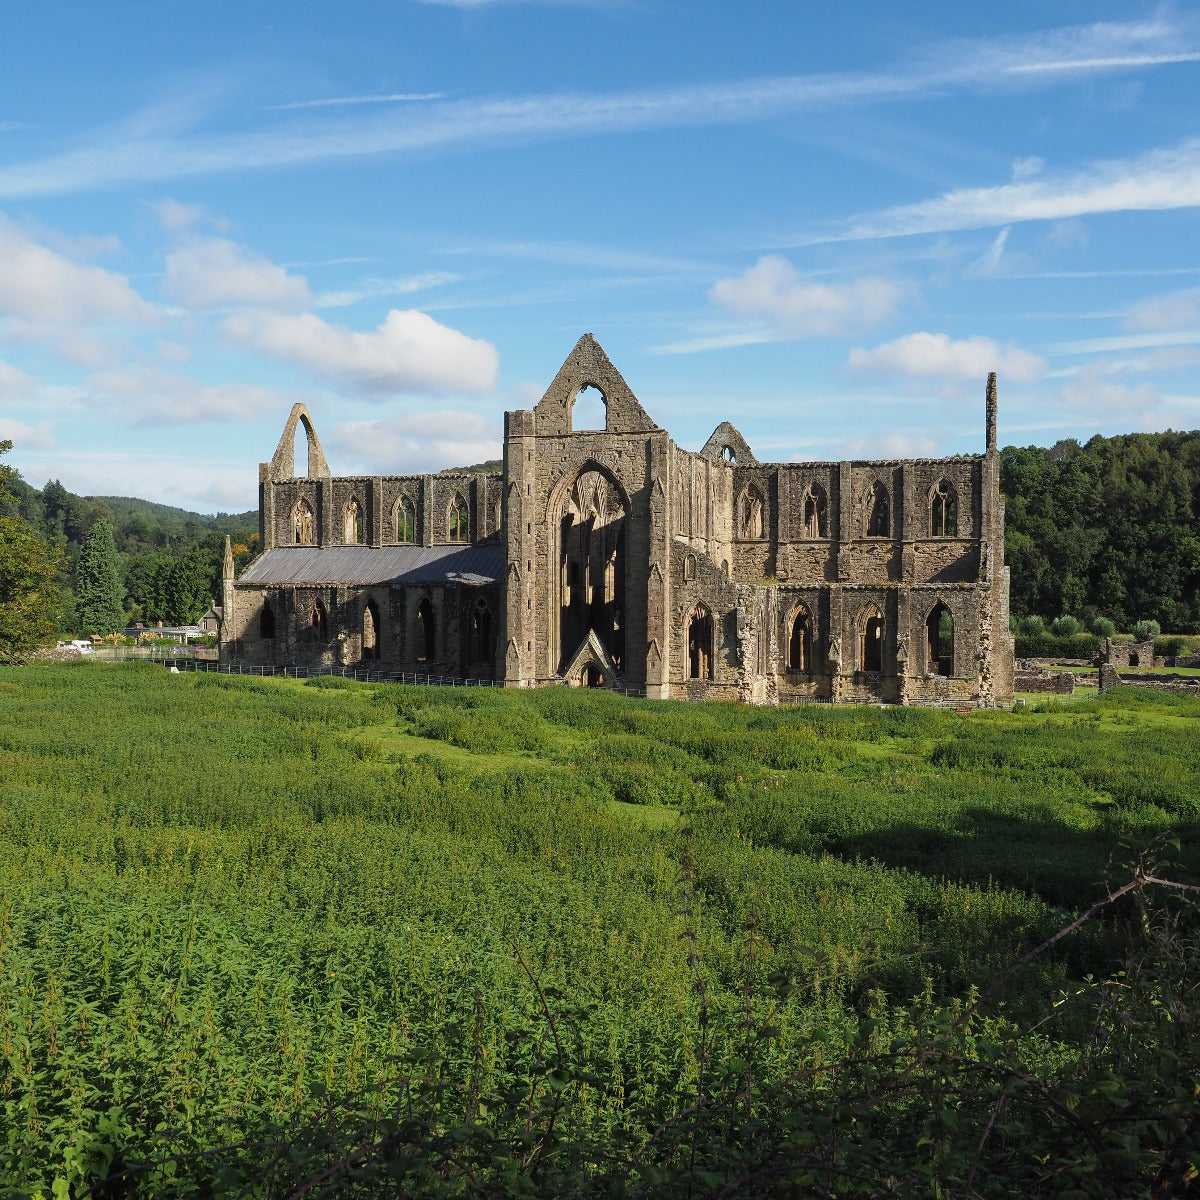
x=28, y=593
x=98, y=588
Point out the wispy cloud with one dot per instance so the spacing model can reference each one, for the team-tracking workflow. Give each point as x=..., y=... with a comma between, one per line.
x=157, y=144
x=347, y=101
x=374, y=289
x=1161, y=179
x=716, y=341
x=1129, y=341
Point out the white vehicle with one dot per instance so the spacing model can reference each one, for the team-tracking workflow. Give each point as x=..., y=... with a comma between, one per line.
x=82, y=645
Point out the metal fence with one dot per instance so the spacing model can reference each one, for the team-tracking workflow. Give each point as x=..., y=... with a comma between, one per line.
x=360, y=674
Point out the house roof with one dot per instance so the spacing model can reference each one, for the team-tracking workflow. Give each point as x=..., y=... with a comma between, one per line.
x=362, y=565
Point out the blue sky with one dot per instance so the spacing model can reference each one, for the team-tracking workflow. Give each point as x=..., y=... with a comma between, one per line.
x=825, y=223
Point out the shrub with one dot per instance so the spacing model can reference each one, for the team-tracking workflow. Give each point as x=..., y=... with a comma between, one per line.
x=1146, y=629
x=1064, y=626
x=1032, y=625
x=1102, y=627
x=1046, y=645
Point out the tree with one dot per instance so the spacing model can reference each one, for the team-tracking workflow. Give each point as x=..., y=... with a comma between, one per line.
x=28, y=593
x=98, y=587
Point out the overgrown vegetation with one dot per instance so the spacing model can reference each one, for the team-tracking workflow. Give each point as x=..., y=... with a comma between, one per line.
x=264, y=935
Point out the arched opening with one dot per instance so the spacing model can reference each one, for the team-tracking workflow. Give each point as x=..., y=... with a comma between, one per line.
x=458, y=522
x=593, y=677
x=943, y=511
x=689, y=568
x=1134, y=660
x=405, y=518
x=940, y=641
x=878, y=512
x=816, y=519
x=800, y=639
x=300, y=464
x=591, y=567
x=370, y=630
x=589, y=410
x=750, y=513
x=700, y=643
x=728, y=455
x=870, y=648
x=304, y=525
x=318, y=621
x=425, y=632
x=266, y=621
x=353, y=531
x=481, y=633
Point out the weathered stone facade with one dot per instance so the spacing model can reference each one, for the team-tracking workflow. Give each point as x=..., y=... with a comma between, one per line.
x=613, y=557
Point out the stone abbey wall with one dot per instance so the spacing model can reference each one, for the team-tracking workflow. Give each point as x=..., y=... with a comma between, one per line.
x=614, y=557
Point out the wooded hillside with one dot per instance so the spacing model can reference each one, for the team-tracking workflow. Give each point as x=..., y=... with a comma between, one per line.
x=1106, y=528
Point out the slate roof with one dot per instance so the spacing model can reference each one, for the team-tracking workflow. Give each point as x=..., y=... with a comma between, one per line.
x=363, y=565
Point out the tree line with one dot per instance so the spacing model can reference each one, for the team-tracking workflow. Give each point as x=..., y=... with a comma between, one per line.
x=116, y=560
x=1106, y=529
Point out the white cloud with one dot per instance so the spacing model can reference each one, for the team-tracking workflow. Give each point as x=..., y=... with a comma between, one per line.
x=1176, y=310
x=27, y=437
x=1094, y=390
x=889, y=446
x=793, y=307
x=156, y=145
x=43, y=287
x=1159, y=180
x=209, y=273
x=409, y=351
x=14, y=382
x=177, y=217
x=937, y=356
x=141, y=395
x=428, y=441
x=1027, y=168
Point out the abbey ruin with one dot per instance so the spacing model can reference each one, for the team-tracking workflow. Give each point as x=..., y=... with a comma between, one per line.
x=612, y=557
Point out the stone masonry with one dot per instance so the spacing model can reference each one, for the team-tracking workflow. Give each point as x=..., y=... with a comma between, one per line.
x=613, y=557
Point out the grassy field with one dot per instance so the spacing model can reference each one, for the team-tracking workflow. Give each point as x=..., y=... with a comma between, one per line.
x=245, y=914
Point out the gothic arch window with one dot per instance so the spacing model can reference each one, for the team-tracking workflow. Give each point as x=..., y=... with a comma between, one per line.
x=481, y=632
x=405, y=517
x=689, y=568
x=318, y=621
x=304, y=525
x=353, y=532
x=589, y=409
x=425, y=632
x=458, y=522
x=266, y=621
x=943, y=510
x=870, y=639
x=750, y=513
x=939, y=629
x=800, y=640
x=879, y=512
x=700, y=643
x=816, y=512
x=370, y=630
